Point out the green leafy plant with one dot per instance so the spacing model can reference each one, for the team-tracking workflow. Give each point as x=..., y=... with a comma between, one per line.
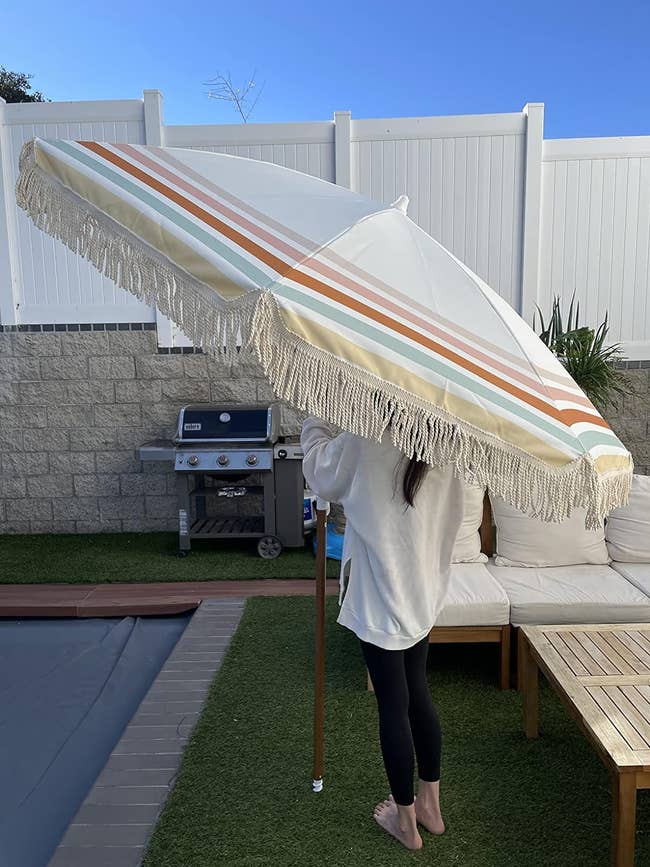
x=584, y=353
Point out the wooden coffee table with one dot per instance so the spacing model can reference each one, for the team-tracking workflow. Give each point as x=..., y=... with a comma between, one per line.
x=602, y=674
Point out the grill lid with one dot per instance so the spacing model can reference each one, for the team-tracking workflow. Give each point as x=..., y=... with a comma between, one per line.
x=210, y=423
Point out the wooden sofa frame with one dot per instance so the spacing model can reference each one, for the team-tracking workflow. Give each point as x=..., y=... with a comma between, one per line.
x=500, y=635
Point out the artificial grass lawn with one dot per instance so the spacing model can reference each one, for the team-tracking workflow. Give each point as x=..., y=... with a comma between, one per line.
x=243, y=796
x=141, y=557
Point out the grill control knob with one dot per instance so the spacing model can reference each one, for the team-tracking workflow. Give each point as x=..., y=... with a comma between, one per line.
x=282, y=453
x=192, y=460
x=251, y=460
x=223, y=460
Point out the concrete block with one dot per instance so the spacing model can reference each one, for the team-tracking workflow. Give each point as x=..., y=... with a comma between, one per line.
x=11, y=440
x=132, y=342
x=112, y=367
x=159, y=367
x=77, y=508
x=135, y=484
x=70, y=416
x=92, y=439
x=161, y=507
x=36, y=343
x=93, y=391
x=52, y=526
x=72, y=462
x=84, y=343
x=9, y=393
x=25, y=417
x=121, y=461
x=97, y=485
x=121, y=507
x=195, y=366
x=6, y=343
x=40, y=441
x=182, y=391
x=117, y=415
x=138, y=391
x=12, y=487
x=28, y=509
x=73, y=367
x=160, y=419
x=50, y=485
x=149, y=525
x=97, y=526
x=25, y=463
x=43, y=393
x=14, y=527
x=235, y=391
x=19, y=369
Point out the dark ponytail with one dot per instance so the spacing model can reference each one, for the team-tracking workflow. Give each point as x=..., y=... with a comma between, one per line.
x=413, y=478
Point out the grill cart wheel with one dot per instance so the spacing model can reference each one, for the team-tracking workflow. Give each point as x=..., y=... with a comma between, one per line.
x=269, y=547
x=181, y=553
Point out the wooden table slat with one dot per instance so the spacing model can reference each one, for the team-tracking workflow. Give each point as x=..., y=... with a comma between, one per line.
x=630, y=711
x=641, y=638
x=601, y=658
x=567, y=654
x=606, y=646
x=614, y=679
x=582, y=654
x=614, y=639
x=634, y=647
x=641, y=701
x=618, y=719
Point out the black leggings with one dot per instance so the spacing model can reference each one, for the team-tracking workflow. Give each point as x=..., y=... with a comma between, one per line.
x=407, y=716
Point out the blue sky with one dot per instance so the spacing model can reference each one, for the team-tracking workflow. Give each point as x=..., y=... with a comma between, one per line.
x=588, y=62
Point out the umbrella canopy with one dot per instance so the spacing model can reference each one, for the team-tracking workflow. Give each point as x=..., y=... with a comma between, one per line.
x=355, y=314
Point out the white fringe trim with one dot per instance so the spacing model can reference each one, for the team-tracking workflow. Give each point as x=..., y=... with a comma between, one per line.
x=311, y=379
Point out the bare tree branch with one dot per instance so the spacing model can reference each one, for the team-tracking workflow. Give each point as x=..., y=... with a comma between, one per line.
x=239, y=97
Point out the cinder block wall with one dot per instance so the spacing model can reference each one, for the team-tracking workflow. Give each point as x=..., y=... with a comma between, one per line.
x=75, y=406
x=630, y=418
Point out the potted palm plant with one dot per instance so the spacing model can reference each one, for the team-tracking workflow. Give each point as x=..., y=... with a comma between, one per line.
x=584, y=353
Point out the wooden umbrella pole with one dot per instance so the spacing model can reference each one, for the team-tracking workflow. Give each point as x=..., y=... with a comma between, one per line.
x=319, y=694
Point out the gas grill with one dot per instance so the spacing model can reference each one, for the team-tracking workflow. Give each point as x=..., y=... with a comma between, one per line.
x=237, y=478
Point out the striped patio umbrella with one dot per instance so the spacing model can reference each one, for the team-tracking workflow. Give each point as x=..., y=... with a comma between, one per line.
x=355, y=314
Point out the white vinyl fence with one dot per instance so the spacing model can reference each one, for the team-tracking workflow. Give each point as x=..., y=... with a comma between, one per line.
x=532, y=217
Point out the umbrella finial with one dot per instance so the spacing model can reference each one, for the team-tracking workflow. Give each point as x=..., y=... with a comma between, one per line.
x=401, y=203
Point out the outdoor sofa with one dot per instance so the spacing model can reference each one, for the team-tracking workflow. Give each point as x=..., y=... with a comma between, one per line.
x=511, y=569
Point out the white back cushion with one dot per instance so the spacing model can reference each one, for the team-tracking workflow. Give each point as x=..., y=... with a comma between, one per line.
x=526, y=541
x=627, y=530
x=467, y=548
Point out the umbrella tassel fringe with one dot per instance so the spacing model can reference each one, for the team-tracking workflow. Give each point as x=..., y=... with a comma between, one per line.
x=317, y=382
x=312, y=379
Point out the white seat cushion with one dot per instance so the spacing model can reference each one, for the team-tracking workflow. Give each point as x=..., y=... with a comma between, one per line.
x=473, y=598
x=570, y=594
x=628, y=529
x=637, y=573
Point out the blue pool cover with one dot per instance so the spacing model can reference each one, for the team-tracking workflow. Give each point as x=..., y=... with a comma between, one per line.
x=68, y=688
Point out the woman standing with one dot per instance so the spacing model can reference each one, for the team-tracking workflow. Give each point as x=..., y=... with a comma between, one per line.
x=402, y=518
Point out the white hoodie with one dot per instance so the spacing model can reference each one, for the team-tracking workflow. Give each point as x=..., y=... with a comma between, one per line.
x=399, y=556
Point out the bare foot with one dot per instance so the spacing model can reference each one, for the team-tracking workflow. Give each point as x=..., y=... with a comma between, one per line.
x=386, y=814
x=429, y=815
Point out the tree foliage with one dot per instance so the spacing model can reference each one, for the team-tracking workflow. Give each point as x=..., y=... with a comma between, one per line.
x=15, y=87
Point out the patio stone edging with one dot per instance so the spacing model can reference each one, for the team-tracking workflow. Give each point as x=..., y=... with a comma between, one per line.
x=114, y=823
